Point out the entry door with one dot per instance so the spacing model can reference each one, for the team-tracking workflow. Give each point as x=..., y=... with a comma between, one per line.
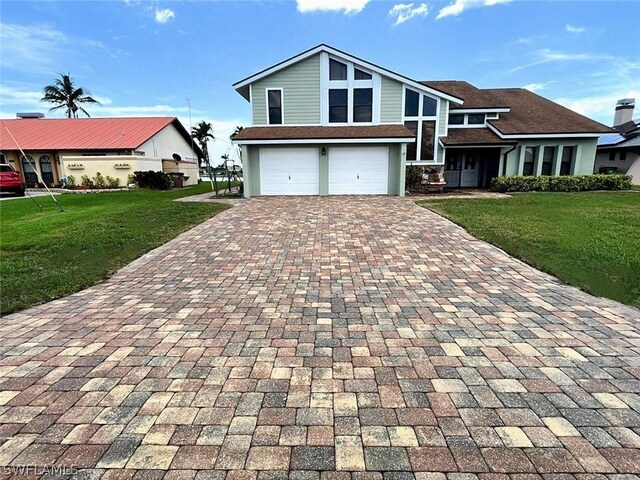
x=289, y=171
x=470, y=169
x=358, y=170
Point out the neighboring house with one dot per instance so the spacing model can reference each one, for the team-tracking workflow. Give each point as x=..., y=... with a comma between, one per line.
x=117, y=147
x=326, y=122
x=620, y=151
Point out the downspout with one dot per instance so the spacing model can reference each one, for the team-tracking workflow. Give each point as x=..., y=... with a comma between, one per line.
x=504, y=161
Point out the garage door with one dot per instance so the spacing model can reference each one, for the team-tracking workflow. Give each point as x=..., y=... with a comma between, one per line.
x=289, y=171
x=358, y=170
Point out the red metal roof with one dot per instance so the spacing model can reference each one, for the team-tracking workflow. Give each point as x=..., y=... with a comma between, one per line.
x=80, y=133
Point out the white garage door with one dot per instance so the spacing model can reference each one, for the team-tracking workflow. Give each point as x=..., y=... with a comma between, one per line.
x=358, y=170
x=289, y=171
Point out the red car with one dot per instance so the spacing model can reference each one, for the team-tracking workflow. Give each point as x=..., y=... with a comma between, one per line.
x=10, y=180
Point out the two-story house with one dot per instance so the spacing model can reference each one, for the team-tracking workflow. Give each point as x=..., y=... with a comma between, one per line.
x=327, y=123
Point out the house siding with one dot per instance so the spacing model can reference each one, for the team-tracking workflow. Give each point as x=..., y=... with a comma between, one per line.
x=300, y=85
x=390, y=101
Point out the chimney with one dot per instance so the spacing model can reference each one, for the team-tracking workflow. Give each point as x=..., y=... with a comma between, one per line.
x=624, y=111
x=30, y=115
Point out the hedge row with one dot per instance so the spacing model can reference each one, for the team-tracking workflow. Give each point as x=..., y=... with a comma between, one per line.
x=154, y=180
x=564, y=183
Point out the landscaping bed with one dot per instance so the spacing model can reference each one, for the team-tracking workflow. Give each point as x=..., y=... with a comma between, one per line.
x=590, y=239
x=48, y=255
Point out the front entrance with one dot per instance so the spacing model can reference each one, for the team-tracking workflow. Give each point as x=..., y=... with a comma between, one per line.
x=471, y=168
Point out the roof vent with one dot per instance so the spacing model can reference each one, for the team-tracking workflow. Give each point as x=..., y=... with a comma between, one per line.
x=30, y=115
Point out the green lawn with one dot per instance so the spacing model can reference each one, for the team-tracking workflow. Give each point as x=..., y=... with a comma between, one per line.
x=52, y=254
x=589, y=240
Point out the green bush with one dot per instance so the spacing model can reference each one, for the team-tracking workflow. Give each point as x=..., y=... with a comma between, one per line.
x=413, y=177
x=71, y=181
x=565, y=183
x=85, y=181
x=99, y=180
x=131, y=179
x=112, y=182
x=154, y=180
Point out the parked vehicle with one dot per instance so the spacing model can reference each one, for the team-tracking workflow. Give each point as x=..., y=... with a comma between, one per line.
x=10, y=180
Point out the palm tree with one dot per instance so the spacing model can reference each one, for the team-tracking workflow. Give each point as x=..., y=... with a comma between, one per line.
x=64, y=94
x=202, y=133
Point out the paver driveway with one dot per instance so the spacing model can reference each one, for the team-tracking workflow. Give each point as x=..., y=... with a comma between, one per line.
x=320, y=334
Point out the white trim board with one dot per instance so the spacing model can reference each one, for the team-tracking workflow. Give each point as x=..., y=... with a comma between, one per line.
x=345, y=56
x=522, y=136
x=301, y=141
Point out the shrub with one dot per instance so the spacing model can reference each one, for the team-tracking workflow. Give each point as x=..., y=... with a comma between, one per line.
x=413, y=177
x=99, y=180
x=131, y=179
x=71, y=181
x=565, y=183
x=154, y=180
x=113, y=182
x=85, y=181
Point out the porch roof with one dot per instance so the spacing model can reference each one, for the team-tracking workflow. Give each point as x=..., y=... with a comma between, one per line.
x=466, y=137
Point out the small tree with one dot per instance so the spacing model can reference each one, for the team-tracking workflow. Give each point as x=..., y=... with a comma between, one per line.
x=64, y=94
x=202, y=133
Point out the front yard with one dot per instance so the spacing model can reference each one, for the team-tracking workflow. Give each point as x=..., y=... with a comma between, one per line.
x=589, y=240
x=48, y=255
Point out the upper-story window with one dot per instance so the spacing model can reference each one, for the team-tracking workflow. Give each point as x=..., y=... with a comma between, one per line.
x=467, y=119
x=456, y=119
x=362, y=104
x=274, y=106
x=420, y=112
x=337, y=70
x=475, y=119
x=338, y=105
x=361, y=75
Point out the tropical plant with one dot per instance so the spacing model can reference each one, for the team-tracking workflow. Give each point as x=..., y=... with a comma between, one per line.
x=71, y=181
x=98, y=180
x=202, y=133
x=112, y=182
x=64, y=94
x=85, y=181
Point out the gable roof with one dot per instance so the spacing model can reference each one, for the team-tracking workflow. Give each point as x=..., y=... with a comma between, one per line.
x=532, y=114
x=241, y=86
x=473, y=96
x=84, y=133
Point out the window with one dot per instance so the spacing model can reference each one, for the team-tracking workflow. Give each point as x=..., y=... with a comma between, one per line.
x=412, y=147
x=547, y=160
x=46, y=170
x=429, y=106
x=338, y=105
x=274, y=97
x=567, y=158
x=456, y=119
x=623, y=155
x=360, y=75
x=3, y=159
x=428, y=139
x=612, y=156
x=476, y=119
x=28, y=169
x=530, y=154
x=337, y=70
x=411, y=103
x=362, y=104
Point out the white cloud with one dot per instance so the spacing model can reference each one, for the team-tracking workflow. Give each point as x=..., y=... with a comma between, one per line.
x=573, y=29
x=459, y=6
x=601, y=107
x=164, y=15
x=348, y=7
x=536, y=87
x=548, y=56
x=405, y=11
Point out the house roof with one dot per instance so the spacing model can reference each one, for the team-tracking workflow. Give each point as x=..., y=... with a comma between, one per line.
x=473, y=96
x=321, y=133
x=473, y=136
x=84, y=133
x=242, y=85
x=532, y=114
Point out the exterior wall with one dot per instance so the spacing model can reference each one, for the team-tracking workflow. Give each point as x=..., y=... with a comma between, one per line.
x=602, y=160
x=13, y=158
x=634, y=171
x=167, y=142
x=189, y=169
x=90, y=166
x=390, y=101
x=300, y=85
x=251, y=167
x=584, y=155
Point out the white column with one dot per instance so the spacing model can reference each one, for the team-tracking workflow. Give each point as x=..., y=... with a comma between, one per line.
x=558, y=160
x=537, y=171
x=521, y=159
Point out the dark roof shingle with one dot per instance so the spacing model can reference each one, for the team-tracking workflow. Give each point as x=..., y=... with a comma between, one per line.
x=473, y=96
x=472, y=136
x=320, y=132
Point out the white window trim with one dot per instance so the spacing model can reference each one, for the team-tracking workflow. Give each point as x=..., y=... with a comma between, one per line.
x=349, y=84
x=420, y=118
x=266, y=95
x=466, y=123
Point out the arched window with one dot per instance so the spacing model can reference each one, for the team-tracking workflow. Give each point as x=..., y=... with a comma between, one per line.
x=46, y=169
x=3, y=159
x=30, y=177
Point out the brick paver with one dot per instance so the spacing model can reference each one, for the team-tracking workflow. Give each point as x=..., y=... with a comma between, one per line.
x=324, y=338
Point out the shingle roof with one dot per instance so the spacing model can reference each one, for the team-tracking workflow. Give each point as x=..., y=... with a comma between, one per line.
x=82, y=133
x=473, y=96
x=532, y=114
x=472, y=136
x=319, y=132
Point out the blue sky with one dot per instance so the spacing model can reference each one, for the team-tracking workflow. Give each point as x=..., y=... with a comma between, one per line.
x=148, y=57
